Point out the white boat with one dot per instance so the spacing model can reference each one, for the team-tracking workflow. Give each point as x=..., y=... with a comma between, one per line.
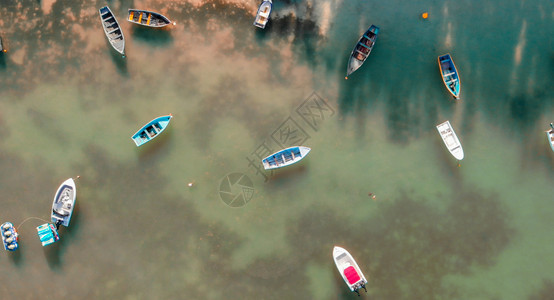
x=263, y=14
x=285, y=157
x=64, y=202
x=550, y=135
x=451, y=140
x=349, y=269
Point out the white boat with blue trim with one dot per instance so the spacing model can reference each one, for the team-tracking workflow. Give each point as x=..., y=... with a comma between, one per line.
x=285, y=157
x=112, y=30
x=64, y=202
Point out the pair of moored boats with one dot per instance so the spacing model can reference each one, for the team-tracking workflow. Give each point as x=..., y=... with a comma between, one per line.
x=282, y=158
x=62, y=210
x=141, y=17
x=365, y=44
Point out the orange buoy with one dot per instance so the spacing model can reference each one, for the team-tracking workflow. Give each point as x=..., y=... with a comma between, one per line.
x=346, y=77
x=425, y=15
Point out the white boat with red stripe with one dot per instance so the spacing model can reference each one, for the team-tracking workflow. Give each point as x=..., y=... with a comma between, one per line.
x=349, y=269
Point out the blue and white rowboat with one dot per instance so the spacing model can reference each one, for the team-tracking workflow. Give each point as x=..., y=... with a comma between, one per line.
x=285, y=157
x=449, y=75
x=151, y=130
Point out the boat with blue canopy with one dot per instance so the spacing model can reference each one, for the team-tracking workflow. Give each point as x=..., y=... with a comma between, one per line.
x=285, y=157
x=151, y=130
x=9, y=236
x=47, y=234
x=449, y=75
x=362, y=50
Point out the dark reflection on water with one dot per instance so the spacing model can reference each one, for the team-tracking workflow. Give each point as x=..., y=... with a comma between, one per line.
x=154, y=37
x=119, y=61
x=2, y=62
x=545, y=292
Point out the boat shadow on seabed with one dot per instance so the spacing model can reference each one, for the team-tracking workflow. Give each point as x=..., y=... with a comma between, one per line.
x=155, y=37
x=119, y=61
x=54, y=253
x=149, y=150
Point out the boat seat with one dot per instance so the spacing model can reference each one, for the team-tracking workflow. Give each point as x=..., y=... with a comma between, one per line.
x=351, y=275
x=451, y=73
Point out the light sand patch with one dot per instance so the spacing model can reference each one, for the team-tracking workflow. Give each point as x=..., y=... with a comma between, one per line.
x=46, y=6
x=18, y=56
x=518, y=51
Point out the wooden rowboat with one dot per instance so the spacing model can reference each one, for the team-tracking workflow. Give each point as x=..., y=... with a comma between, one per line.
x=148, y=18
x=285, y=157
x=362, y=50
x=112, y=30
x=449, y=75
x=151, y=130
x=349, y=269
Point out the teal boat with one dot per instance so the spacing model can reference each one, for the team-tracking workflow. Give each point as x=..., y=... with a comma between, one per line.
x=9, y=236
x=285, y=157
x=151, y=130
x=449, y=75
x=48, y=234
x=362, y=50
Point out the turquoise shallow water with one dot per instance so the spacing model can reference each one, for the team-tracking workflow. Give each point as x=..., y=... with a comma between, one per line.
x=69, y=104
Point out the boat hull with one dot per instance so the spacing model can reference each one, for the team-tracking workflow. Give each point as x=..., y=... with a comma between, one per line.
x=361, y=51
x=285, y=157
x=151, y=130
x=550, y=136
x=9, y=236
x=112, y=29
x=344, y=261
x=64, y=202
x=450, y=139
x=262, y=16
x=47, y=234
x=449, y=75
x=147, y=18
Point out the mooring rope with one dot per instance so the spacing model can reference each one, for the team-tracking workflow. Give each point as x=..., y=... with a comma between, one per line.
x=17, y=228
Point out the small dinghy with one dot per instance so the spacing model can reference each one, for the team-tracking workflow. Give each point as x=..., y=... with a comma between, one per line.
x=9, y=236
x=112, y=30
x=151, y=130
x=47, y=234
x=451, y=140
x=2, y=46
x=362, y=50
x=148, y=18
x=263, y=14
x=285, y=157
x=349, y=270
x=550, y=135
x=64, y=202
x=449, y=75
